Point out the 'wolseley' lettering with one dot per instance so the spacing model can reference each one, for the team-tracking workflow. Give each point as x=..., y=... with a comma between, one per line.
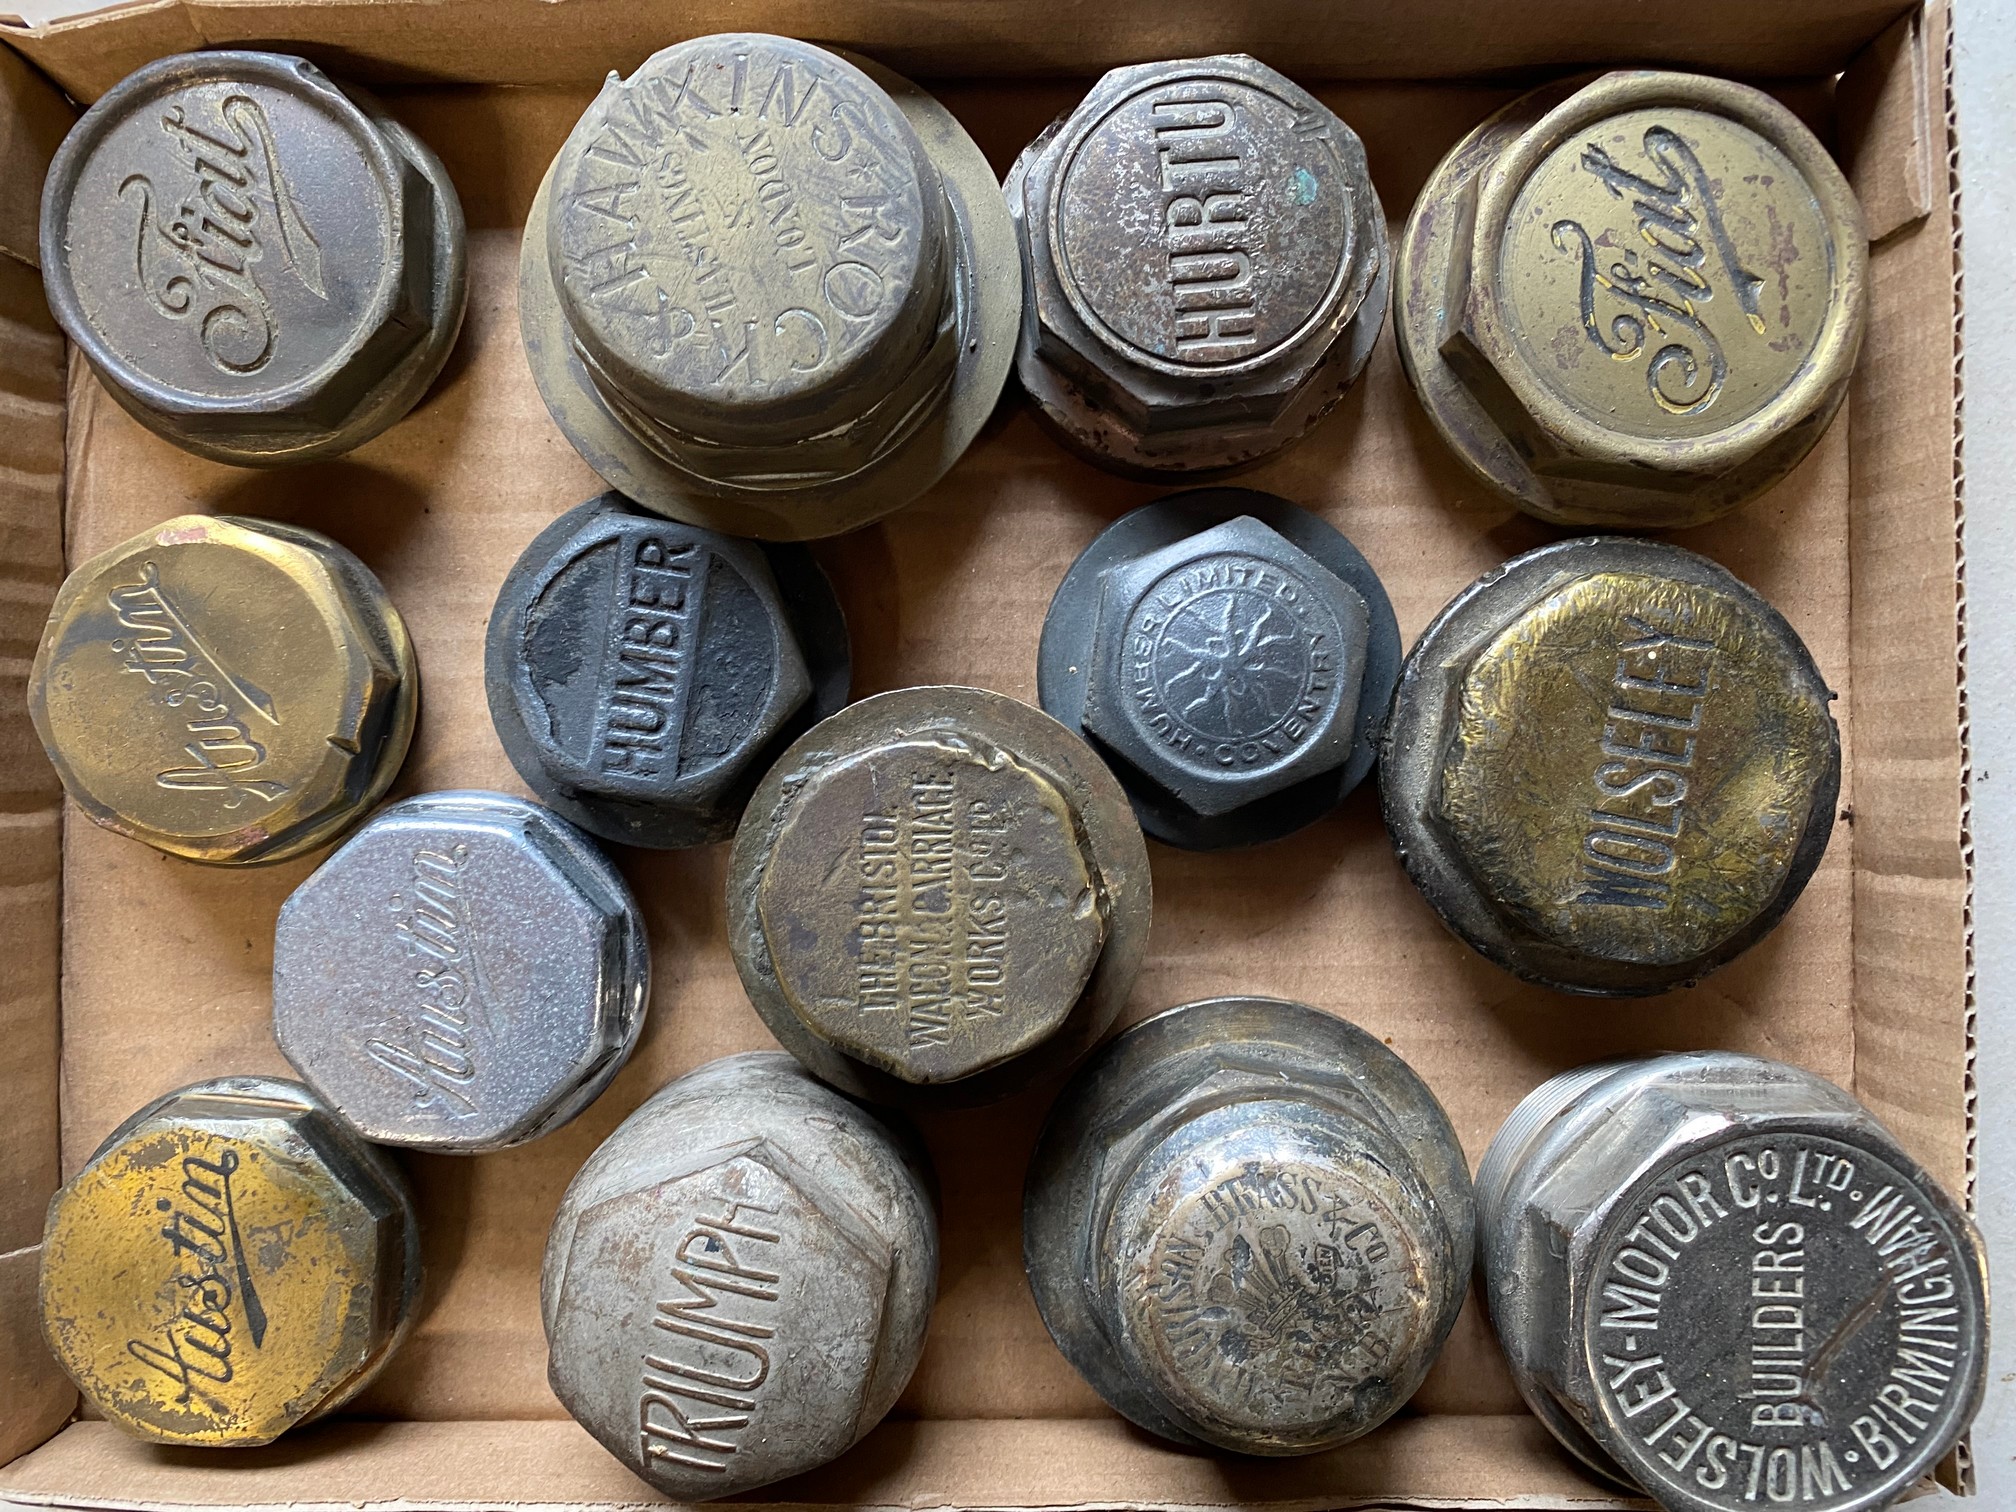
x=1646, y=755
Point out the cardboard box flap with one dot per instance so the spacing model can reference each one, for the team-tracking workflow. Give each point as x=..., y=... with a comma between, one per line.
x=578, y=41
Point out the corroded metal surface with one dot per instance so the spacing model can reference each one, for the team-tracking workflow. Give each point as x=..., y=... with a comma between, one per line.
x=230, y=1262
x=937, y=896
x=225, y=689
x=1611, y=766
x=466, y=973
x=1249, y=1225
x=1232, y=655
x=1633, y=303
x=1207, y=266
x=767, y=289
x=1720, y=1278
x=737, y=1282
x=643, y=673
x=261, y=266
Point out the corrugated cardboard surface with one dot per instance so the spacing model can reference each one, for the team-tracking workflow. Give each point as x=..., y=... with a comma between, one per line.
x=166, y=965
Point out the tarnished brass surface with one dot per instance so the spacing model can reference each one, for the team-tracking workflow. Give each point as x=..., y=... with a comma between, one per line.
x=1719, y=1278
x=938, y=895
x=225, y=689
x=1207, y=264
x=1660, y=842
x=1611, y=766
x=1633, y=303
x=767, y=289
x=1249, y=1225
x=231, y=1262
x=261, y=266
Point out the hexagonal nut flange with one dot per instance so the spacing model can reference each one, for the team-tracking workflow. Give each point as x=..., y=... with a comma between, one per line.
x=1207, y=265
x=1227, y=667
x=232, y=1261
x=642, y=673
x=737, y=1282
x=1735, y=1248
x=1637, y=302
x=224, y=689
x=877, y=326
x=937, y=895
x=466, y=973
x=310, y=301
x=1611, y=766
x=1231, y=1148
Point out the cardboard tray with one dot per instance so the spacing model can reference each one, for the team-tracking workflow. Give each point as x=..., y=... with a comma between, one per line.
x=124, y=973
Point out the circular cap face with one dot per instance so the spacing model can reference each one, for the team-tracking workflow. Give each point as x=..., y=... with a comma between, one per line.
x=217, y=1273
x=637, y=658
x=465, y=973
x=928, y=907
x=1237, y=671
x=1203, y=224
x=222, y=229
x=1270, y=1278
x=1782, y=1318
x=1667, y=272
x=1632, y=765
x=215, y=686
x=738, y=230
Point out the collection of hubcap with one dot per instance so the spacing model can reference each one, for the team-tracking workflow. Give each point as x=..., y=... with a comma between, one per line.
x=1625, y=302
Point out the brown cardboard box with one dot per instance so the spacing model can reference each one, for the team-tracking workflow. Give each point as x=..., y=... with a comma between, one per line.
x=164, y=966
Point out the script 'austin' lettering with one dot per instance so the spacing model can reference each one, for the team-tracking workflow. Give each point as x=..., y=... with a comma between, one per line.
x=1661, y=289
x=703, y=1377
x=452, y=998
x=215, y=707
x=198, y=243
x=214, y=1281
x=1212, y=293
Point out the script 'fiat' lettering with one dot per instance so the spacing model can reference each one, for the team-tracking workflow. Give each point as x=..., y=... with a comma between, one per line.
x=199, y=243
x=1658, y=293
x=214, y=1288
x=1644, y=764
x=710, y=1353
x=215, y=707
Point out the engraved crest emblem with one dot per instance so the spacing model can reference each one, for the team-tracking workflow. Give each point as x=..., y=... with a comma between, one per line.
x=1232, y=654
